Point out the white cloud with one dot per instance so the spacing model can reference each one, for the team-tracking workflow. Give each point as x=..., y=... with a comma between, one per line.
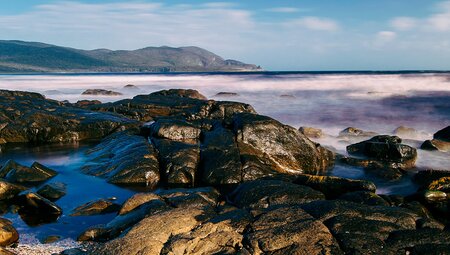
x=403, y=23
x=386, y=35
x=284, y=10
x=314, y=23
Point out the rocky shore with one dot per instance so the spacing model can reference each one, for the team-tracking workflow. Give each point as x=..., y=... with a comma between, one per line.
x=220, y=179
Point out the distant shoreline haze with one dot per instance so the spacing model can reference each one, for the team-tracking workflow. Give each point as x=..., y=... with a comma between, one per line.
x=35, y=57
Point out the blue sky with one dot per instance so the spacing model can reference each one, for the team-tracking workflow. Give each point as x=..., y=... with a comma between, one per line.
x=278, y=35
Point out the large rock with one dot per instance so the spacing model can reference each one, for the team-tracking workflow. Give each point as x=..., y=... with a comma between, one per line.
x=288, y=150
x=443, y=134
x=311, y=132
x=174, y=129
x=124, y=158
x=17, y=173
x=352, y=132
x=29, y=117
x=333, y=186
x=101, y=92
x=261, y=194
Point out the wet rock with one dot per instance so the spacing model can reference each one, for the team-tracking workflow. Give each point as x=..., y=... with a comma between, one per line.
x=36, y=210
x=426, y=249
x=407, y=132
x=221, y=163
x=364, y=197
x=429, y=223
x=224, y=110
x=290, y=231
x=8, y=234
x=50, y=239
x=332, y=186
x=311, y=132
x=288, y=149
x=204, y=197
x=262, y=194
x=101, y=206
x=355, y=132
x=14, y=172
x=29, y=117
x=226, y=94
x=362, y=244
x=9, y=190
x=73, y=251
x=101, y=92
x=53, y=191
x=124, y=158
x=433, y=195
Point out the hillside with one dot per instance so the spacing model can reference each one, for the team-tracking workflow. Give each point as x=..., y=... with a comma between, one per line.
x=19, y=56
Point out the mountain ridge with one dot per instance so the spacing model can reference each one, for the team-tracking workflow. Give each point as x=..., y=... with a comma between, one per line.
x=36, y=57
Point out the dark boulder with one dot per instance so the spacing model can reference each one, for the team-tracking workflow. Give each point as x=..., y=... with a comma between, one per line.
x=443, y=134
x=97, y=207
x=124, y=158
x=36, y=210
x=333, y=186
x=173, y=129
x=16, y=173
x=52, y=191
x=262, y=194
x=404, y=240
x=288, y=150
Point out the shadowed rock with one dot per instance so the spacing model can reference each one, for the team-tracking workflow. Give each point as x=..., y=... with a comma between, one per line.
x=36, y=210
x=101, y=92
x=14, y=172
x=53, y=191
x=440, y=141
x=8, y=234
x=9, y=190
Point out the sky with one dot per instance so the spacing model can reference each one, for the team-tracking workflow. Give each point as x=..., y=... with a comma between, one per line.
x=309, y=35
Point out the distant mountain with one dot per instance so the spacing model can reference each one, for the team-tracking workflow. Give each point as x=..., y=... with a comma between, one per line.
x=24, y=57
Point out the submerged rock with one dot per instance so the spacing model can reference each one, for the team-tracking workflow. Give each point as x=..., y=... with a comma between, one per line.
x=226, y=94
x=101, y=92
x=53, y=191
x=36, y=210
x=101, y=206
